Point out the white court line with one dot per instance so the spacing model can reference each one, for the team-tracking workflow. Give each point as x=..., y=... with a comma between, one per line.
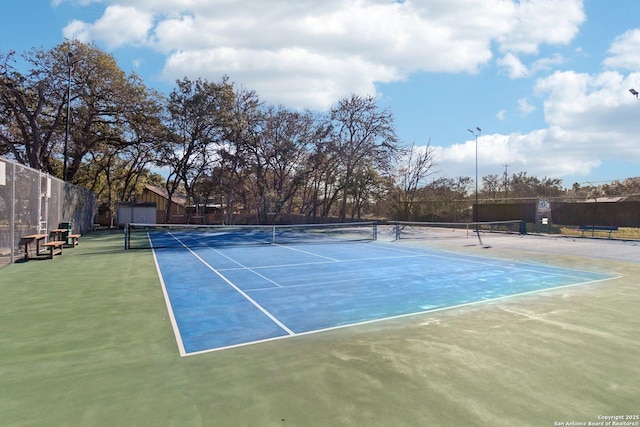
x=240, y=291
x=303, y=264
x=406, y=254
x=409, y=254
x=413, y=254
x=242, y=266
x=333, y=282
x=307, y=252
x=400, y=316
x=167, y=300
x=484, y=260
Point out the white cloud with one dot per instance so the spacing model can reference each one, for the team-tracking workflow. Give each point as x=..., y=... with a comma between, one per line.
x=310, y=53
x=540, y=153
x=524, y=107
x=545, y=64
x=515, y=69
x=501, y=115
x=537, y=22
x=591, y=119
x=118, y=26
x=625, y=51
x=308, y=79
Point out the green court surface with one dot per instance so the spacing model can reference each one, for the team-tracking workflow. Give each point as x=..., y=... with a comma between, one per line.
x=86, y=341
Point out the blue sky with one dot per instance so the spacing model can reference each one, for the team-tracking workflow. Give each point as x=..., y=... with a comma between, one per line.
x=547, y=81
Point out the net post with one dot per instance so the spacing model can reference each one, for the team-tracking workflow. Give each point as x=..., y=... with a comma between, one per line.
x=375, y=230
x=126, y=237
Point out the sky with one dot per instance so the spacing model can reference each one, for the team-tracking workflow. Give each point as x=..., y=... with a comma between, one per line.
x=546, y=81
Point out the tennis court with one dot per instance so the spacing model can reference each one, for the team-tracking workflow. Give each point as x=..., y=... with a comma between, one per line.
x=225, y=295
x=95, y=324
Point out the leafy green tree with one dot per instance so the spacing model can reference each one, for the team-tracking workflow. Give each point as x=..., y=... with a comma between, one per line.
x=108, y=109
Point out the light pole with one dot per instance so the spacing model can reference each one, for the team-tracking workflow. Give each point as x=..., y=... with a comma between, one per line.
x=475, y=133
x=634, y=93
x=66, y=131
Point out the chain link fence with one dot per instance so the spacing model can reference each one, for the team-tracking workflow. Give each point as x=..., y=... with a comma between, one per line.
x=35, y=202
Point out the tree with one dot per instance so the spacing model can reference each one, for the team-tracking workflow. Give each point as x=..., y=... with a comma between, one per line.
x=527, y=186
x=362, y=133
x=106, y=104
x=116, y=167
x=415, y=164
x=368, y=186
x=233, y=172
x=444, y=199
x=490, y=185
x=318, y=193
x=197, y=114
x=279, y=158
x=31, y=107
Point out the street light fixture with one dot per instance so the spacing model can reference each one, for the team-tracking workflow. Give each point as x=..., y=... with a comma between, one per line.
x=475, y=133
x=634, y=92
x=66, y=131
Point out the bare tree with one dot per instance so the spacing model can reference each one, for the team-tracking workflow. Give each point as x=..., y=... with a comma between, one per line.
x=198, y=112
x=490, y=185
x=282, y=151
x=232, y=170
x=415, y=165
x=361, y=133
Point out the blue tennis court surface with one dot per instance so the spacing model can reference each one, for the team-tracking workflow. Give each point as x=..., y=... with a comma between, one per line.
x=221, y=297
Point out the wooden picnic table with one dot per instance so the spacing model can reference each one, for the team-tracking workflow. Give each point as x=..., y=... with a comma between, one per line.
x=58, y=233
x=32, y=238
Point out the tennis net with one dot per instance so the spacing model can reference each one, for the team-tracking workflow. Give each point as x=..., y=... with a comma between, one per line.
x=447, y=230
x=146, y=236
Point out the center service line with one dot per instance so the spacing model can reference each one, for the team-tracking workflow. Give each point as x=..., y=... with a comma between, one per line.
x=240, y=291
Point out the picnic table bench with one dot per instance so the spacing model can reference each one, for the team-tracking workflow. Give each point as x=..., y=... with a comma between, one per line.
x=74, y=238
x=594, y=228
x=55, y=247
